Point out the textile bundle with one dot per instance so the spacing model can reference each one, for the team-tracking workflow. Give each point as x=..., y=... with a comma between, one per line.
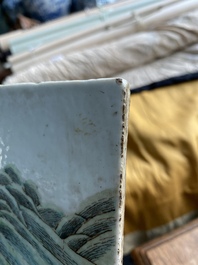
x=128, y=53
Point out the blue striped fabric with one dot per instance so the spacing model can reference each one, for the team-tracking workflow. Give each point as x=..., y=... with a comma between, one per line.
x=42, y=10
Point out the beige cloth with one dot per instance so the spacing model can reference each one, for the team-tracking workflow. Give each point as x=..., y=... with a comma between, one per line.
x=180, y=63
x=107, y=30
x=111, y=59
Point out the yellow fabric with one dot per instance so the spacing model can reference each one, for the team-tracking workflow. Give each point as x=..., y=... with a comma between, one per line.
x=162, y=159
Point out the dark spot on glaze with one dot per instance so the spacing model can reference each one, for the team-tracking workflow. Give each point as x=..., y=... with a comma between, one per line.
x=120, y=218
x=120, y=198
x=78, y=130
x=122, y=146
x=119, y=81
x=124, y=93
x=123, y=111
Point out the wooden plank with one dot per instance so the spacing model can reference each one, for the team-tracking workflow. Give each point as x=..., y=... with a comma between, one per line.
x=177, y=248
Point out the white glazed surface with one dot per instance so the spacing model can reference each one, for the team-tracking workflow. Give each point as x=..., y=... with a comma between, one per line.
x=69, y=138
x=64, y=136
